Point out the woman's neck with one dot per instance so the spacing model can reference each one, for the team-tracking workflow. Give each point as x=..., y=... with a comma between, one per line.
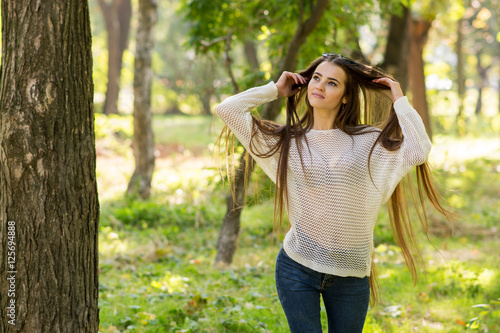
x=324, y=119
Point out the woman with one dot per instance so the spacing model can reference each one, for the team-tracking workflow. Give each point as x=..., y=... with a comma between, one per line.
x=333, y=168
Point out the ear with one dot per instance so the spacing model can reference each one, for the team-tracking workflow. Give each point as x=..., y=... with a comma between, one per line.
x=344, y=100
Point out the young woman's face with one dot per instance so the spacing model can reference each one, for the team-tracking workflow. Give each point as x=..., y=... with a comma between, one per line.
x=326, y=87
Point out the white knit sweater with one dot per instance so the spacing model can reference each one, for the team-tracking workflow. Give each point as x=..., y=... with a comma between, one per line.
x=333, y=206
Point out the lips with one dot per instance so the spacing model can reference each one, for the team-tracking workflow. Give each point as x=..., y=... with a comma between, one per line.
x=317, y=95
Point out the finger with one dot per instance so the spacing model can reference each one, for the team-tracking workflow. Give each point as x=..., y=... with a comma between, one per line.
x=383, y=81
x=299, y=79
x=296, y=78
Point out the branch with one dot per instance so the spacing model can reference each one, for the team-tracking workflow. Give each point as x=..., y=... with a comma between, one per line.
x=301, y=12
x=289, y=62
x=228, y=62
x=300, y=36
x=213, y=41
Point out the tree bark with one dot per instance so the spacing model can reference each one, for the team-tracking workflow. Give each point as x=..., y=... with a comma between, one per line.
x=418, y=32
x=396, y=51
x=117, y=17
x=49, y=209
x=144, y=147
x=228, y=236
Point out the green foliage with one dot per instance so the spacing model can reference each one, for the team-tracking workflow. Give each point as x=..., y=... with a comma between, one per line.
x=488, y=311
x=271, y=26
x=460, y=280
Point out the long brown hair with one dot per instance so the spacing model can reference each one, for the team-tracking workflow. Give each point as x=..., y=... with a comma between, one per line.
x=369, y=108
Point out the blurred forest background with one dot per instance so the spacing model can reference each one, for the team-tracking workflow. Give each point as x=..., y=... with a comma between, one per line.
x=172, y=259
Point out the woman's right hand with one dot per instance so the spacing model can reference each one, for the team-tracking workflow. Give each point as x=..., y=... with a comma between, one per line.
x=286, y=82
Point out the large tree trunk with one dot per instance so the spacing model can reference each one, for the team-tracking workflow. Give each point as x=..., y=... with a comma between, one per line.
x=418, y=32
x=117, y=16
x=396, y=51
x=143, y=131
x=49, y=210
x=230, y=229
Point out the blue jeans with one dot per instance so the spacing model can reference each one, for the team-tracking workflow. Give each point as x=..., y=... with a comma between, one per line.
x=299, y=288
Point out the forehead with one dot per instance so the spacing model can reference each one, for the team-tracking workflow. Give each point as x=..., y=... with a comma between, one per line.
x=329, y=69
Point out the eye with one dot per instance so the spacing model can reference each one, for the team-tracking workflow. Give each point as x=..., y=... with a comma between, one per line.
x=331, y=83
x=315, y=77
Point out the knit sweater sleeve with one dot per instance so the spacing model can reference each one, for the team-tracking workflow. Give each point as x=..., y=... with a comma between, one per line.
x=235, y=112
x=416, y=144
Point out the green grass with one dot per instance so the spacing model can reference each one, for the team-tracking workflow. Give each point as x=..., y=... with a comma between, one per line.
x=156, y=256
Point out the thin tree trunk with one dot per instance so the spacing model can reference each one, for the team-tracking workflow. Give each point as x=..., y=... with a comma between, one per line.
x=235, y=201
x=479, y=102
x=228, y=236
x=483, y=79
x=396, y=51
x=418, y=32
x=140, y=182
x=49, y=209
x=251, y=54
x=205, y=101
x=356, y=52
x=289, y=61
x=460, y=67
x=228, y=61
x=117, y=17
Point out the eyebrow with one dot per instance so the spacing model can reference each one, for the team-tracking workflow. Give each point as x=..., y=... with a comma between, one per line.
x=330, y=78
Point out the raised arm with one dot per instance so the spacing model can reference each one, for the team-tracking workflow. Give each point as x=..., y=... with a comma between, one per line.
x=416, y=144
x=235, y=112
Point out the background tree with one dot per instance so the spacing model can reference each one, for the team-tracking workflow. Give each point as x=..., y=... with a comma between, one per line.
x=481, y=28
x=395, y=59
x=117, y=15
x=459, y=49
x=47, y=167
x=418, y=32
x=144, y=148
x=179, y=73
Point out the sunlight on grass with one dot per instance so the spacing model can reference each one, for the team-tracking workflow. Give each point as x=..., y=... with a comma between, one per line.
x=110, y=243
x=171, y=283
x=447, y=151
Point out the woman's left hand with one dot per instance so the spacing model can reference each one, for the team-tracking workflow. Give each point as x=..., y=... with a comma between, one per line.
x=396, y=90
